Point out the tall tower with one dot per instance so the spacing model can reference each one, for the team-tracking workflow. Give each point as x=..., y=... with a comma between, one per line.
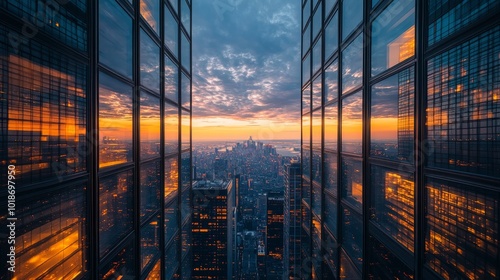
x=291, y=221
x=400, y=139
x=213, y=229
x=274, y=236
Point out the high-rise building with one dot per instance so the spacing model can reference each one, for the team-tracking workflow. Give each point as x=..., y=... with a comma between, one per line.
x=95, y=108
x=291, y=221
x=400, y=139
x=213, y=230
x=274, y=236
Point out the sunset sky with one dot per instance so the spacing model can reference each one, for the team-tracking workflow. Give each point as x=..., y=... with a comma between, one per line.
x=246, y=70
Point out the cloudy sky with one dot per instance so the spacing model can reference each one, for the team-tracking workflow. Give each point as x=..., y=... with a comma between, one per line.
x=246, y=69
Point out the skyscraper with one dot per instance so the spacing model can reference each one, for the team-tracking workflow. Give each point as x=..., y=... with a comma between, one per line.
x=291, y=221
x=400, y=139
x=95, y=106
x=274, y=236
x=213, y=229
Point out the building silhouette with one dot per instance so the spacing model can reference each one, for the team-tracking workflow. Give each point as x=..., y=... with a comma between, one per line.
x=95, y=106
x=400, y=138
x=274, y=236
x=291, y=220
x=213, y=228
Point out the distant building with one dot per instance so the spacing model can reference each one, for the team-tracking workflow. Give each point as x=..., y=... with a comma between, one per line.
x=291, y=221
x=213, y=230
x=274, y=236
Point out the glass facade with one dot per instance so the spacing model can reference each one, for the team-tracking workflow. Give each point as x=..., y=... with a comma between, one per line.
x=402, y=180
x=90, y=102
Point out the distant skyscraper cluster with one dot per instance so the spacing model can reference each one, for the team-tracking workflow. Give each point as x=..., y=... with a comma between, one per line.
x=400, y=140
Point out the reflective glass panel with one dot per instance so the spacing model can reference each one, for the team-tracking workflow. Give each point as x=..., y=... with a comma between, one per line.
x=150, y=63
x=149, y=126
x=185, y=204
x=186, y=16
x=306, y=40
x=331, y=36
x=331, y=127
x=121, y=265
x=115, y=37
x=393, y=35
x=352, y=14
x=150, y=11
x=316, y=129
x=393, y=194
x=392, y=117
x=352, y=123
x=185, y=91
x=306, y=69
x=150, y=242
x=150, y=176
x=171, y=121
x=317, y=21
x=331, y=173
x=186, y=170
x=306, y=100
x=331, y=213
x=316, y=55
x=329, y=6
x=185, y=53
x=171, y=260
x=352, y=236
x=171, y=31
x=316, y=193
x=384, y=264
x=171, y=176
x=331, y=86
x=174, y=4
x=185, y=130
x=352, y=184
x=171, y=80
x=171, y=220
x=317, y=95
x=306, y=12
x=352, y=65
x=115, y=121
x=116, y=209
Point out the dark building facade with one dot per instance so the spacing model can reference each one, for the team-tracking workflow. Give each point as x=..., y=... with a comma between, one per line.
x=95, y=106
x=274, y=236
x=213, y=230
x=400, y=139
x=291, y=221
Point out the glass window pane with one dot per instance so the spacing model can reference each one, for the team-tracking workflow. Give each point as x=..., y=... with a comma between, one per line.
x=171, y=260
x=306, y=69
x=317, y=161
x=171, y=31
x=186, y=204
x=171, y=80
x=115, y=37
x=352, y=65
x=331, y=173
x=171, y=220
x=155, y=273
x=352, y=184
x=52, y=227
x=332, y=81
x=316, y=129
x=332, y=36
x=171, y=122
x=317, y=94
x=306, y=40
x=150, y=63
x=331, y=127
x=150, y=189
x=384, y=264
x=331, y=213
x=306, y=100
x=393, y=195
x=392, y=117
x=116, y=209
x=149, y=126
x=186, y=170
x=122, y=265
x=186, y=16
x=352, y=123
x=115, y=121
x=174, y=4
x=185, y=53
x=352, y=14
x=171, y=177
x=306, y=12
x=150, y=11
x=317, y=21
x=347, y=270
x=352, y=237
x=316, y=56
x=316, y=188
x=150, y=242
x=186, y=130
x=185, y=91
x=329, y=6
x=393, y=36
